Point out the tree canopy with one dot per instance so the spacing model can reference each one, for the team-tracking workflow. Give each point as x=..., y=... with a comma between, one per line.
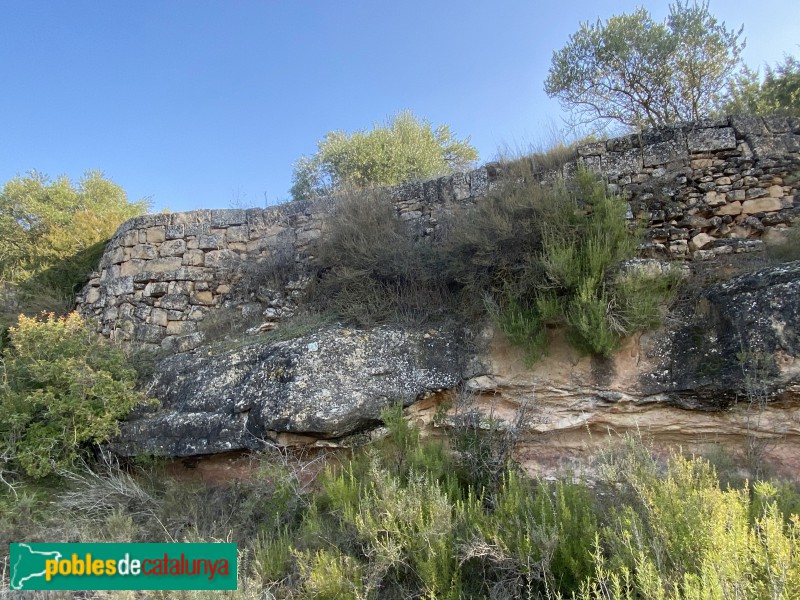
x=402, y=149
x=51, y=231
x=778, y=92
x=637, y=72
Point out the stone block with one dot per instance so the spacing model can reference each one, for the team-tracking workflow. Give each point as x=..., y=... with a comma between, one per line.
x=227, y=217
x=203, y=298
x=158, y=316
x=115, y=256
x=736, y=195
x=177, y=302
x=734, y=208
x=131, y=267
x=478, y=182
x=163, y=265
x=461, y=189
x=626, y=162
x=715, y=199
x=661, y=153
x=193, y=258
x=144, y=252
x=210, y=241
x=144, y=332
x=775, y=191
x=120, y=286
x=711, y=139
x=755, y=192
x=760, y=205
x=155, y=235
x=172, y=248
x=183, y=287
x=175, y=232
x=221, y=259
x=238, y=233
x=181, y=327
x=700, y=241
x=593, y=149
x=156, y=289
x=130, y=238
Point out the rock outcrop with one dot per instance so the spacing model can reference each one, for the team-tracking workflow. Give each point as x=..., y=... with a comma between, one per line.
x=725, y=367
x=329, y=384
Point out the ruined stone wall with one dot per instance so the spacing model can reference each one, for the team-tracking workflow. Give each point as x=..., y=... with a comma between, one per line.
x=705, y=189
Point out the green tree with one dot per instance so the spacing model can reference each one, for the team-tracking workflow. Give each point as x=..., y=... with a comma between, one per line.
x=777, y=93
x=52, y=234
x=402, y=149
x=62, y=386
x=635, y=71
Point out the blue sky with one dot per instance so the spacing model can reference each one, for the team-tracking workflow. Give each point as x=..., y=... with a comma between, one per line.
x=207, y=103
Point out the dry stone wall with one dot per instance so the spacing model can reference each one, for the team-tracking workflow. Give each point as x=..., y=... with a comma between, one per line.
x=704, y=189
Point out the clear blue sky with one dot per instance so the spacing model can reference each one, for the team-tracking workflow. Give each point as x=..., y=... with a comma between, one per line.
x=206, y=104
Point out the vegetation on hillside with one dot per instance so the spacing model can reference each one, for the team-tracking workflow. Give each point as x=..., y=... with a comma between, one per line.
x=404, y=518
x=531, y=256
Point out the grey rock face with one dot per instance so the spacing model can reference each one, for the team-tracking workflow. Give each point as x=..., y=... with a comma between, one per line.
x=328, y=384
x=736, y=341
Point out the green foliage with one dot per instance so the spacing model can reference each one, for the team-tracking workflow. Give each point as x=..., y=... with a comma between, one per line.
x=778, y=92
x=675, y=534
x=403, y=149
x=52, y=235
x=381, y=525
x=551, y=256
x=62, y=387
x=637, y=72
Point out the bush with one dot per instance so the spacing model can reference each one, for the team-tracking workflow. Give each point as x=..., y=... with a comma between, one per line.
x=371, y=269
x=550, y=255
x=63, y=388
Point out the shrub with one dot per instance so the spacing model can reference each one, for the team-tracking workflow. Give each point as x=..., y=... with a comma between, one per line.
x=549, y=255
x=371, y=269
x=63, y=388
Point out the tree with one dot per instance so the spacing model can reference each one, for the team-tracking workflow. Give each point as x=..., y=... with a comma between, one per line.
x=63, y=387
x=52, y=232
x=777, y=93
x=402, y=149
x=640, y=73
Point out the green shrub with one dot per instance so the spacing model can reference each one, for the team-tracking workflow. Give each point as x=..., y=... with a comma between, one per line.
x=63, y=388
x=550, y=255
x=674, y=533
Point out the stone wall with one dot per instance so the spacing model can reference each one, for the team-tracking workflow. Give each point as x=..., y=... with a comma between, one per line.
x=705, y=189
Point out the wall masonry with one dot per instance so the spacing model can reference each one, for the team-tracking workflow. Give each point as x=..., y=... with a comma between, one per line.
x=705, y=189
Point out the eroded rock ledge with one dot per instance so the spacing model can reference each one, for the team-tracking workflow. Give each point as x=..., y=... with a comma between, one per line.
x=726, y=367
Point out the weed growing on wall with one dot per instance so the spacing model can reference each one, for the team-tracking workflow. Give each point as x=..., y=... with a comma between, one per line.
x=544, y=255
x=372, y=270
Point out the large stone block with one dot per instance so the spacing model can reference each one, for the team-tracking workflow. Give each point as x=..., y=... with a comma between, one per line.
x=155, y=235
x=162, y=265
x=172, y=248
x=144, y=252
x=711, y=139
x=210, y=241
